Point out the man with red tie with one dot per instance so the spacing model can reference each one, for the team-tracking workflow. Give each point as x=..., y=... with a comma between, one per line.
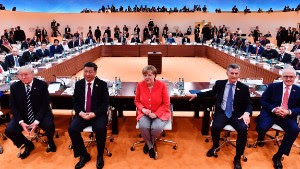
x=258, y=50
x=280, y=105
x=90, y=103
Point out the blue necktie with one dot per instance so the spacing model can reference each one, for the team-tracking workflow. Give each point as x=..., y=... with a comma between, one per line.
x=228, y=109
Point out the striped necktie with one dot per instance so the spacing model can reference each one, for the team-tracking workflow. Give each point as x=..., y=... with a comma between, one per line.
x=228, y=109
x=30, y=114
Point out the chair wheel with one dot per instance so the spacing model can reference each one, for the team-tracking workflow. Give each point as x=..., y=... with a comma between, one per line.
x=111, y=140
x=206, y=140
x=1, y=150
x=156, y=156
x=245, y=159
x=249, y=145
x=140, y=136
x=109, y=154
x=175, y=147
x=216, y=155
x=132, y=148
x=4, y=138
x=163, y=134
x=70, y=147
x=19, y=155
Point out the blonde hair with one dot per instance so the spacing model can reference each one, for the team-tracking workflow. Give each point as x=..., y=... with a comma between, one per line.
x=149, y=68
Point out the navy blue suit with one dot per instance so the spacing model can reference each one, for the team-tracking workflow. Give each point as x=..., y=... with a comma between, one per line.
x=271, y=99
x=42, y=54
x=87, y=41
x=286, y=58
x=241, y=104
x=260, y=50
x=10, y=62
x=250, y=49
x=216, y=41
x=58, y=50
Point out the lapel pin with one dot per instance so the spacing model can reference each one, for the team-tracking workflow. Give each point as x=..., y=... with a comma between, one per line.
x=294, y=90
x=237, y=88
x=96, y=85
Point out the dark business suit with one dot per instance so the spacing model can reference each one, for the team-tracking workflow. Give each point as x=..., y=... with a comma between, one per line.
x=71, y=44
x=259, y=52
x=24, y=45
x=296, y=64
x=42, y=53
x=98, y=34
x=77, y=43
x=135, y=40
x=241, y=104
x=271, y=99
x=186, y=40
x=295, y=47
x=56, y=50
x=30, y=57
x=249, y=48
x=99, y=105
x=87, y=41
x=270, y=54
x=285, y=58
x=216, y=41
x=10, y=62
x=109, y=40
x=40, y=101
x=3, y=65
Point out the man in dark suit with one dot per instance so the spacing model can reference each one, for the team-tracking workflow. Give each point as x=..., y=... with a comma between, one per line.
x=38, y=34
x=67, y=30
x=3, y=67
x=79, y=42
x=14, y=60
x=25, y=44
x=71, y=44
x=269, y=53
x=280, y=105
x=44, y=33
x=283, y=56
x=215, y=40
x=97, y=34
x=106, y=39
x=233, y=106
x=90, y=40
x=30, y=106
x=135, y=39
x=296, y=62
x=258, y=49
x=201, y=39
x=90, y=102
x=185, y=39
x=108, y=32
x=122, y=38
x=43, y=52
x=56, y=48
x=30, y=55
x=296, y=46
x=156, y=31
x=248, y=48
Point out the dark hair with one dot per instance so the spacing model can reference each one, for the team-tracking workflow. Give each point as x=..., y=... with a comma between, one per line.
x=44, y=43
x=233, y=66
x=91, y=64
x=56, y=40
x=31, y=44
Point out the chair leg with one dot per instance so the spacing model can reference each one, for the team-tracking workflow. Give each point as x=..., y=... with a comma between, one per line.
x=136, y=143
x=1, y=149
x=108, y=153
x=168, y=141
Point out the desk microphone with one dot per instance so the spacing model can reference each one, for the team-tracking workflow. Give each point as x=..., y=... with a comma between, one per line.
x=64, y=86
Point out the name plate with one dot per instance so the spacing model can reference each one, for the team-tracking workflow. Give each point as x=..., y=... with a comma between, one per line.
x=280, y=72
x=253, y=61
x=35, y=71
x=59, y=61
x=226, y=51
x=48, y=65
x=266, y=67
x=220, y=49
x=69, y=56
x=233, y=54
x=242, y=58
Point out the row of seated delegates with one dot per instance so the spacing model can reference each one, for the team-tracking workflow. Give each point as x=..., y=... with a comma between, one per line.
x=234, y=107
x=284, y=35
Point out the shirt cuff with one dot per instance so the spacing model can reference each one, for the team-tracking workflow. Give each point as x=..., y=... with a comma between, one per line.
x=247, y=113
x=21, y=121
x=273, y=110
x=290, y=112
x=36, y=122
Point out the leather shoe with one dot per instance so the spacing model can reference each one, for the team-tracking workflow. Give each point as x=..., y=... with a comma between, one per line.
x=28, y=148
x=237, y=163
x=51, y=147
x=100, y=163
x=277, y=162
x=146, y=148
x=83, y=160
x=211, y=152
x=152, y=153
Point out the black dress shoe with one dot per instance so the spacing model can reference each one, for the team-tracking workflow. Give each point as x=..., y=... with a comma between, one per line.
x=51, y=147
x=152, y=153
x=83, y=160
x=146, y=148
x=277, y=162
x=211, y=152
x=28, y=148
x=237, y=163
x=100, y=163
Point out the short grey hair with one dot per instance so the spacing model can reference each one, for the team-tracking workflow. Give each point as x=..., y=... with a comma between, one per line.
x=297, y=51
x=25, y=69
x=289, y=68
x=233, y=66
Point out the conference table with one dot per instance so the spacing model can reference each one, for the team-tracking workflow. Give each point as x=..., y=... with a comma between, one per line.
x=124, y=100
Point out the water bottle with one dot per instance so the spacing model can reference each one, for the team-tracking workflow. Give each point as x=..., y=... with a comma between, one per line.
x=120, y=83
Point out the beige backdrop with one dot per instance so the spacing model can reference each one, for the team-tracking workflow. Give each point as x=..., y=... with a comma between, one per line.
x=81, y=21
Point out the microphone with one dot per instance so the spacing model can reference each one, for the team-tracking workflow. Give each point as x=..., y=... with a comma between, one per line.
x=64, y=86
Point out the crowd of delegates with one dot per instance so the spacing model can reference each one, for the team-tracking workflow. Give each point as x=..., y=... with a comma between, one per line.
x=247, y=10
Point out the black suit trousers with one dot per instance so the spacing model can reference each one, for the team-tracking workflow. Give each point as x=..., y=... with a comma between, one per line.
x=14, y=130
x=99, y=127
x=220, y=120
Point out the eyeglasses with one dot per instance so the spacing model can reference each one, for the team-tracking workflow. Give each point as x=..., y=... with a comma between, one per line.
x=289, y=77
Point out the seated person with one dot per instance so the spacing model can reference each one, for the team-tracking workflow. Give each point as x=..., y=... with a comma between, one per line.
x=79, y=42
x=25, y=44
x=30, y=55
x=122, y=38
x=296, y=46
x=283, y=56
x=296, y=62
x=154, y=39
x=71, y=43
x=201, y=39
x=280, y=105
x=14, y=60
x=186, y=39
x=153, y=108
x=90, y=39
x=135, y=39
x=233, y=106
x=33, y=41
x=106, y=39
x=170, y=39
x=43, y=52
x=149, y=35
x=46, y=39
x=215, y=40
x=6, y=46
x=56, y=48
x=27, y=117
x=179, y=34
x=65, y=44
x=258, y=49
x=269, y=53
x=226, y=42
x=248, y=48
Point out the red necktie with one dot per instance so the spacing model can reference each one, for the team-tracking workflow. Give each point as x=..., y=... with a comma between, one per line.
x=88, y=99
x=257, y=50
x=1, y=69
x=285, y=99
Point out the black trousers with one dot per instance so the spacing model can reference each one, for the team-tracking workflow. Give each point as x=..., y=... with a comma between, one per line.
x=99, y=127
x=289, y=125
x=220, y=120
x=14, y=130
